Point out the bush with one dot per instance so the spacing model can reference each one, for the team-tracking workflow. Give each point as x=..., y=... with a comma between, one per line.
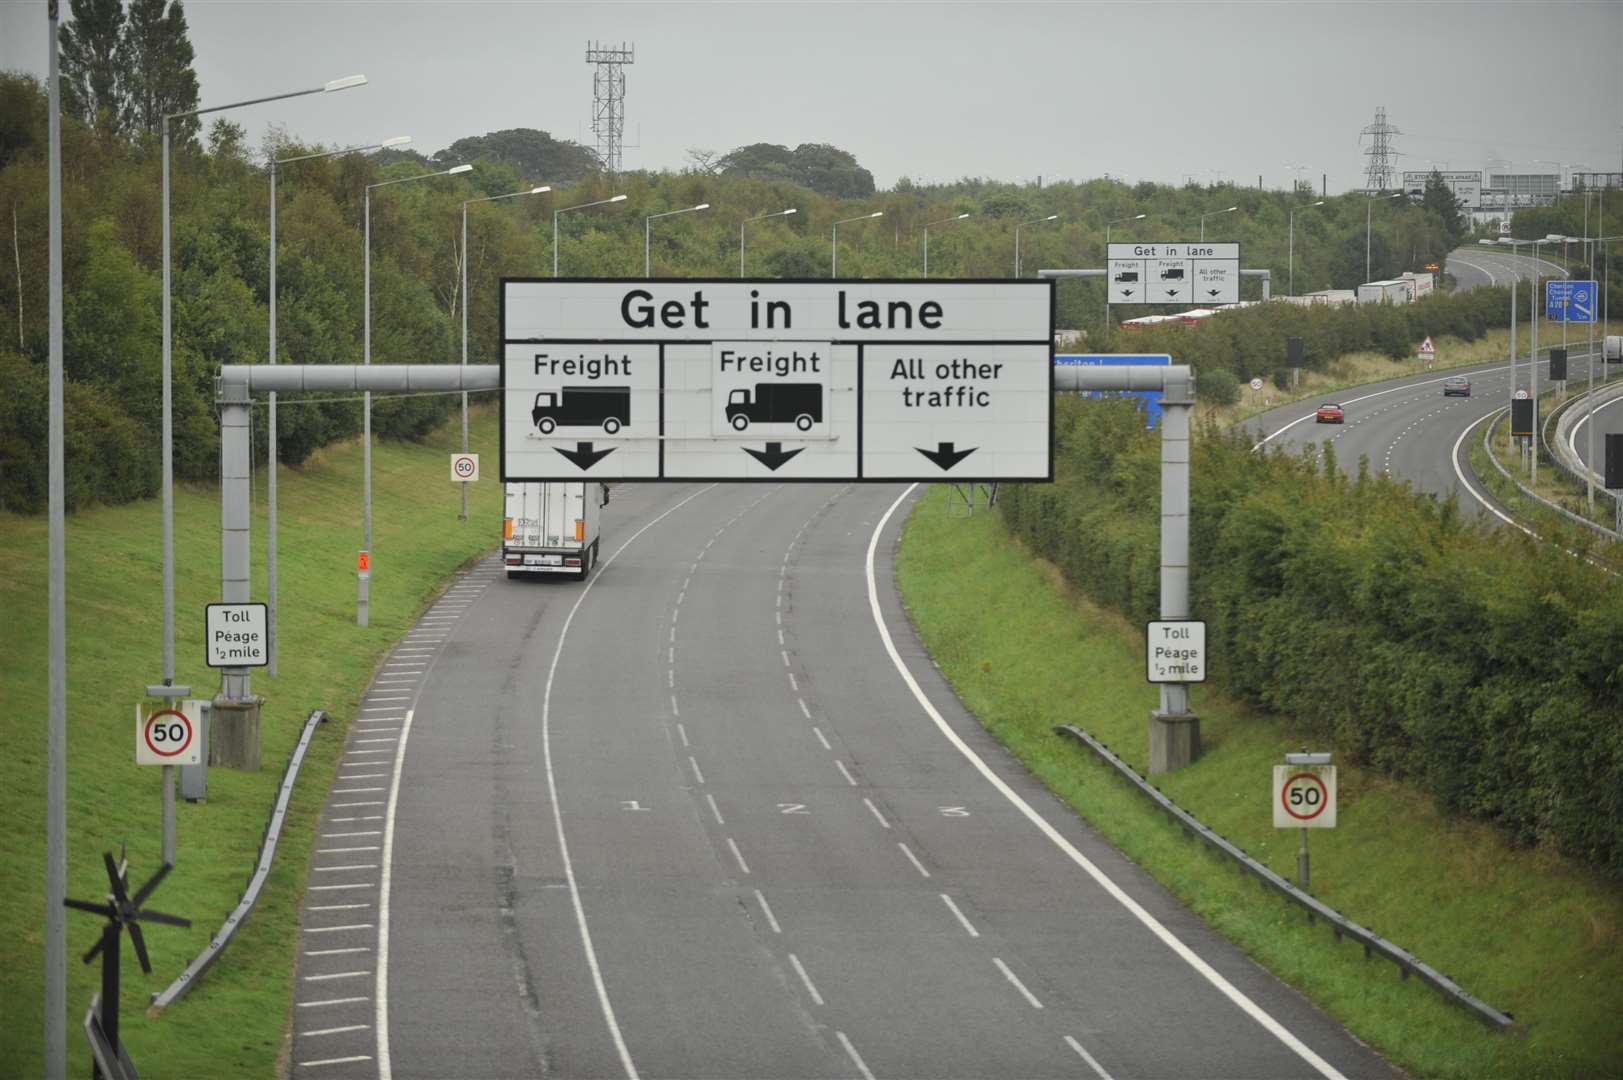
x=1376, y=617
x=1218, y=385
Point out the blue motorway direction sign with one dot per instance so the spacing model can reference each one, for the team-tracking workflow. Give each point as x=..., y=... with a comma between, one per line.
x=1570, y=301
x=1150, y=398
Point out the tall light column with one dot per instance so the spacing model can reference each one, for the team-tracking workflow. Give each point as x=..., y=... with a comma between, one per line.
x=834, y=246
x=55, y=1056
x=648, y=232
x=364, y=576
x=1291, y=271
x=270, y=521
x=746, y=221
x=465, y=204
x=1212, y=213
x=168, y=688
x=1369, y=218
x=1108, y=226
x=1017, y=228
x=565, y=210
x=943, y=221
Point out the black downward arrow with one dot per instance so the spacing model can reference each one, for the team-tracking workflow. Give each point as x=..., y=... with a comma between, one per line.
x=1213, y=292
x=1172, y=292
x=1127, y=292
x=773, y=456
x=944, y=455
x=583, y=455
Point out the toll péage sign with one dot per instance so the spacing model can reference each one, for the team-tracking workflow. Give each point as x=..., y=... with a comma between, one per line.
x=750, y=379
x=237, y=635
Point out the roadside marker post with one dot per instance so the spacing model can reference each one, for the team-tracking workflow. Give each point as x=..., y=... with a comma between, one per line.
x=1304, y=798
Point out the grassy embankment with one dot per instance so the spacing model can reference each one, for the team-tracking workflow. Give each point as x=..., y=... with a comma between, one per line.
x=232, y=1023
x=1525, y=930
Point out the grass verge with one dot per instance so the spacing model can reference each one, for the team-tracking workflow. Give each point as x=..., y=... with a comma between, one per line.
x=232, y=1023
x=1525, y=930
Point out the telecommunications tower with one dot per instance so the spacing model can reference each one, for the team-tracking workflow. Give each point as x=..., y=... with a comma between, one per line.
x=1378, y=173
x=609, y=100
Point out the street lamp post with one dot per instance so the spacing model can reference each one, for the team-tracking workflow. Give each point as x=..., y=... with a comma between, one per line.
x=565, y=210
x=1017, y=228
x=1108, y=226
x=647, y=234
x=1369, y=217
x=746, y=221
x=943, y=221
x=465, y=204
x=834, y=246
x=1212, y=213
x=236, y=682
x=271, y=591
x=1291, y=256
x=364, y=572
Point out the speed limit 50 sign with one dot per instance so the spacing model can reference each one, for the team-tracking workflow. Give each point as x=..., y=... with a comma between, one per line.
x=1304, y=796
x=167, y=735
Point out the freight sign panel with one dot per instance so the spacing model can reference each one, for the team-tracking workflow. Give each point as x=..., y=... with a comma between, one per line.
x=1197, y=273
x=786, y=380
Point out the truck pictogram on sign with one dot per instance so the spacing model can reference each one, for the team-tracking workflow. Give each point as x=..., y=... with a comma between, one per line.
x=608, y=407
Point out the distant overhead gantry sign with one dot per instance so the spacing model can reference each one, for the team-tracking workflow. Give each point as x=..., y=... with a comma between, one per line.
x=729, y=380
x=1198, y=273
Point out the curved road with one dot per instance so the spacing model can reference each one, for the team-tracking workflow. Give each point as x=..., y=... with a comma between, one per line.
x=715, y=814
x=1482, y=265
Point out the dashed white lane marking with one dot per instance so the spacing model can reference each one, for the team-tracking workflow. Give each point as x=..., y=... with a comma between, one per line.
x=332, y=1031
x=355, y=790
x=875, y=811
x=335, y=888
x=912, y=858
x=337, y=975
x=345, y=835
x=333, y=1061
x=352, y=805
x=1188, y=955
x=822, y=738
x=1087, y=1057
x=806, y=979
x=849, y=779
x=856, y=1058
x=330, y=1001
x=803, y=709
x=739, y=855
x=780, y=635
x=697, y=775
x=338, y=907
x=964, y=922
x=714, y=809
x=347, y=820
x=344, y=850
x=674, y=710
x=793, y=685
x=338, y=952
x=1018, y=985
x=766, y=909
x=682, y=733
x=341, y=869
x=785, y=654
x=339, y=929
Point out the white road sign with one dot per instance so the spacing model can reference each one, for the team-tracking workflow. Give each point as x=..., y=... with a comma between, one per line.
x=1304, y=796
x=169, y=734
x=787, y=380
x=1427, y=348
x=1175, y=651
x=236, y=635
x=464, y=468
x=1173, y=273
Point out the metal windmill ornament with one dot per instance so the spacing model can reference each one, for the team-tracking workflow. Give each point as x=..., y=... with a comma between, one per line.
x=122, y=911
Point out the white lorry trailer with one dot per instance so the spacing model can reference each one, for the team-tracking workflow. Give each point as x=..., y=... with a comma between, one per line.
x=550, y=529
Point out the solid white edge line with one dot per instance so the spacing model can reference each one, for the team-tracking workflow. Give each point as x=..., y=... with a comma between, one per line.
x=1454, y=460
x=381, y=1020
x=856, y=1058
x=557, y=812
x=1087, y=1057
x=1150, y=922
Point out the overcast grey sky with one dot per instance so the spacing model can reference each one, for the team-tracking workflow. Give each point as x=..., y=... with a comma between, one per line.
x=938, y=91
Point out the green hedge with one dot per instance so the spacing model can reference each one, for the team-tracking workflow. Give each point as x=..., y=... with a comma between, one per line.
x=1482, y=666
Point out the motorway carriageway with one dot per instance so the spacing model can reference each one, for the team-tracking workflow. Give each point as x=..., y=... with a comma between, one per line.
x=714, y=813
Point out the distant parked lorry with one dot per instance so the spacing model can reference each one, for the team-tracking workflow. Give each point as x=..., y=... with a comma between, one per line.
x=800, y=404
x=1391, y=291
x=1614, y=348
x=608, y=407
x=1421, y=283
x=552, y=528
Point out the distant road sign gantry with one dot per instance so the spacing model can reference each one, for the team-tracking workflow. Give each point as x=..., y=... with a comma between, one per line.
x=1173, y=273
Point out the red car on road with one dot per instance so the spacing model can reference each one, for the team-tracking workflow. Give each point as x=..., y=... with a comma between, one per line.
x=1330, y=413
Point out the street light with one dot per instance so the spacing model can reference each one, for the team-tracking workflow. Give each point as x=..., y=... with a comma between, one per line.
x=1212, y=213
x=1108, y=226
x=943, y=221
x=465, y=204
x=566, y=209
x=1368, y=218
x=168, y=422
x=363, y=589
x=834, y=247
x=1017, y=228
x=1291, y=272
x=647, y=233
x=270, y=523
x=746, y=221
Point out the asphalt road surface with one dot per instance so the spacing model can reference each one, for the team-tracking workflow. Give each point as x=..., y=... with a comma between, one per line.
x=714, y=813
x=1482, y=265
